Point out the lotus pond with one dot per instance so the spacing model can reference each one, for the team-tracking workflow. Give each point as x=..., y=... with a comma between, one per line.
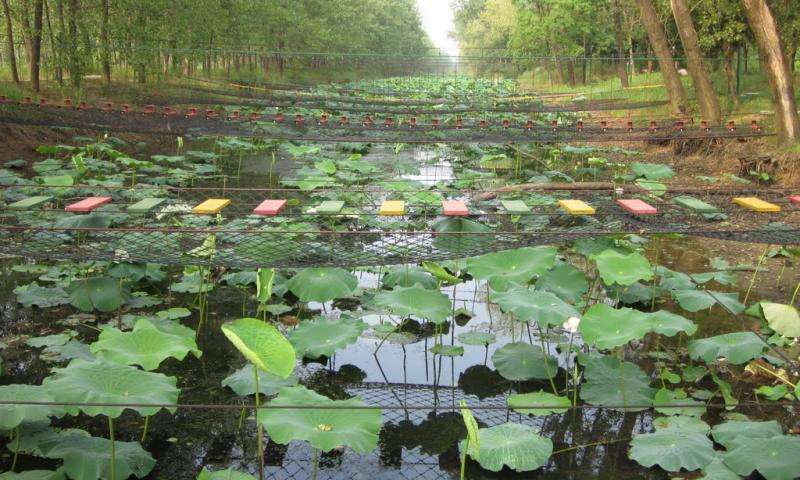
x=620, y=356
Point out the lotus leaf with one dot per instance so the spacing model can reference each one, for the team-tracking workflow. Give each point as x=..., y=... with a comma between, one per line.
x=737, y=432
x=431, y=305
x=440, y=273
x=146, y=346
x=229, y=474
x=716, y=470
x=682, y=422
x=262, y=344
x=622, y=269
x=613, y=383
x=515, y=266
x=696, y=300
x=529, y=305
x=664, y=398
x=565, y=281
x=538, y=403
x=672, y=449
x=447, y=350
x=105, y=382
x=737, y=347
x=102, y=293
x=609, y=327
x=784, y=319
x=11, y=416
x=459, y=235
x=652, y=171
x=776, y=458
x=324, y=428
x=323, y=336
x=477, y=338
x=242, y=381
x=407, y=276
x=322, y=284
x=48, y=341
x=523, y=361
x=42, y=297
x=519, y=447
x=34, y=475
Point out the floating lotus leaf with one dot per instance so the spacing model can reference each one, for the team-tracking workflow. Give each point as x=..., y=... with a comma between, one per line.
x=716, y=470
x=665, y=398
x=324, y=428
x=322, y=284
x=105, y=294
x=565, y=281
x=682, y=422
x=11, y=416
x=523, y=361
x=242, y=381
x=696, y=300
x=610, y=382
x=609, y=327
x=737, y=347
x=229, y=474
x=622, y=269
x=512, y=266
x=776, y=458
x=105, y=382
x=477, y=338
x=529, y=305
x=447, y=350
x=420, y=302
x=34, y=475
x=68, y=351
x=672, y=449
x=48, y=340
x=548, y=403
x=323, y=336
x=262, y=344
x=460, y=235
x=146, y=345
x=519, y=447
x=735, y=432
x=407, y=276
x=43, y=297
x=784, y=319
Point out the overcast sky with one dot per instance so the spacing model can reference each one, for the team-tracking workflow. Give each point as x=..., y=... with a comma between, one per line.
x=437, y=18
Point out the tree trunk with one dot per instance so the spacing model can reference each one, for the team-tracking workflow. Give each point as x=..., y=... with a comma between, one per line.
x=730, y=77
x=658, y=41
x=74, y=60
x=706, y=96
x=12, y=56
x=58, y=73
x=619, y=37
x=765, y=31
x=36, y=44
x=105, y=47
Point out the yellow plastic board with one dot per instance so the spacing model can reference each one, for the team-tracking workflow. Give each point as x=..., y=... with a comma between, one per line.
x=212, y=206
x=576, y=207
x=756, y=204
x=393, y=208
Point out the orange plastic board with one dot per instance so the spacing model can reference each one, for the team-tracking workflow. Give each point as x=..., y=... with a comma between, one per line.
x=795, y=199
x=637, y=207
x=270, y=207
x=756, y=204
x=576, y=207
x=454, y=208
x=212, y=206
x=88, y=204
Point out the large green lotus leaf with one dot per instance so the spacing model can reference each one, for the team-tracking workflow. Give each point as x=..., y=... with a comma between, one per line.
x=683, y=423
x=670, y=324
x=324, y=428
x=54, y=340
x=242, y=381
x=735, y=432
x=784, y=319
x=609, y=327
x=97, y=293
x=512, y=266
x=42, y=297
x=323, y=336
x=262, y=344
x=613, y=383
x=652, y=171
x=565, y=281
x=229, y=474
x=545, y=403
x=477, y=338
x=105, y=382
x=407, y=276
x=677, y=402
x=89, y=458
x=431, y=305
x=322, y=284
x=696, y=300
x=622, y=269
x=737, y=347
x=523, y=361
x=519, y=447
x=459, y=235
x=11, y=416
x=34, y=475
x=776, y=458
x=672, y=449
x=529, y=305
x=716, y=470
x=146, y=345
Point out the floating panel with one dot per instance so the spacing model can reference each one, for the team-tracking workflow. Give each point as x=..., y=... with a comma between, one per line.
x=695, y=204
x=330, y=207
x=212, y=206
x=756, y=204
x=795, y=199
x=637, y=207
x=515, y=206
x=270, y=207
x=454, y=208
x=145, y=205
x=28, y=203
x=576, y=207
x=88, y=204
x=392, y=208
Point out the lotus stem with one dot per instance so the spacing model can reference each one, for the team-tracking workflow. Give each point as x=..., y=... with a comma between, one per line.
x=464, y=458
x=546, y=366
x=761, y=261
x=16, y=449
x=316, y=464
x=794, y=295
x=259, y=427
x=144, y=429
x=113, y=449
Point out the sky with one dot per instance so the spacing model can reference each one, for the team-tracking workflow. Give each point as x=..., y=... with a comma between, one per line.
x=437, y=19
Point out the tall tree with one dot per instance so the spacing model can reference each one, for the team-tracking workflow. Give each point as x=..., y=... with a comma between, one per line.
x=619, y=38
x=658, y=40
x=105, y=48
x=12, y=56
x=776, y=67
x=35, y=54
x=706, y=96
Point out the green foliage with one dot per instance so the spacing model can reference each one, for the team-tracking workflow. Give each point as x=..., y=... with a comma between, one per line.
x=431, y=305
x=261, y=344
x=323, y=336
x=736, y=348
x=519, y=447
x=322, y=284
x=523, y=361
x=146, y=346
x=538, y=403
x=613, y=383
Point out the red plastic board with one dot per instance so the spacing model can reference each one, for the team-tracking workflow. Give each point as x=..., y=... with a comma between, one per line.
x=270, y=207
x=88, y=204
x=454, y=208
x=637, y=207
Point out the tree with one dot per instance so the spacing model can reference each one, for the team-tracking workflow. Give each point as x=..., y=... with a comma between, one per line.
x=706, y=96
x=12, y=56
x=776, y=68
x=658, y=40
x=619, y=38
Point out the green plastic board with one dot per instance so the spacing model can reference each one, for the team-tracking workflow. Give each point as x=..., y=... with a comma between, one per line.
x=330, y=207
x=696, y=204
x=29, y=202
x=515, y=206
x=145, y=205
